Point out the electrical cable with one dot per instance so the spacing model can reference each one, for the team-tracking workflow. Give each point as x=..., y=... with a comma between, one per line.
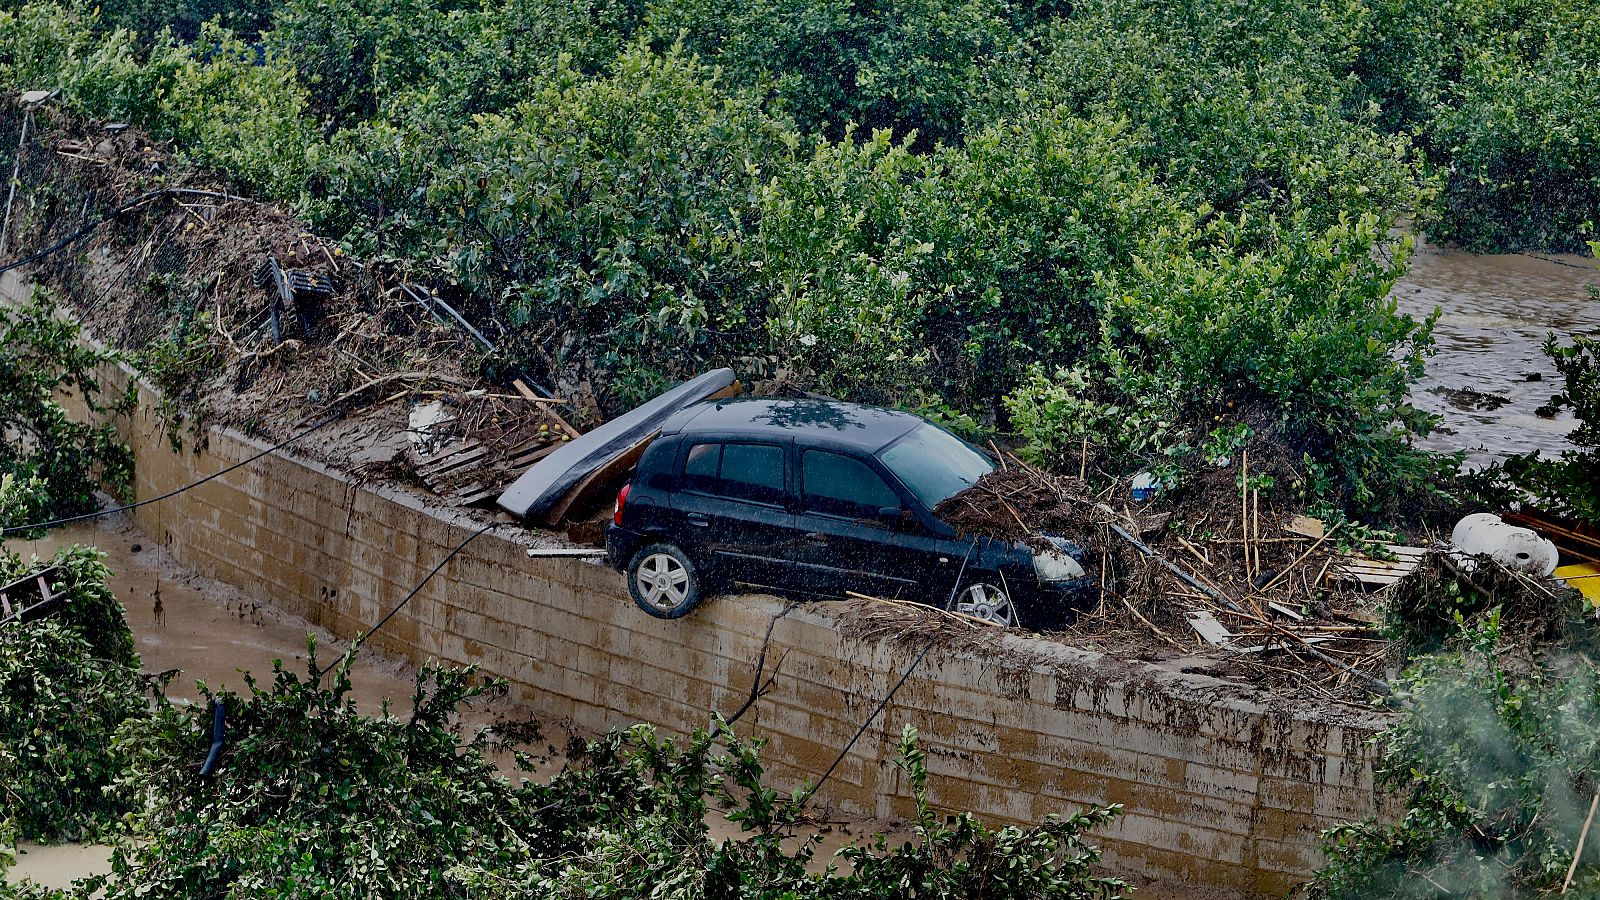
x=362, y=637
x=882, y=704
x=16, y=529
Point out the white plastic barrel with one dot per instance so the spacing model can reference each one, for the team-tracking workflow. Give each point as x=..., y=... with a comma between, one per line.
x=1517, y=548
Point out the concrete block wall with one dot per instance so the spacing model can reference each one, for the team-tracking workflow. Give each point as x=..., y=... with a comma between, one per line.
x=1217, y=788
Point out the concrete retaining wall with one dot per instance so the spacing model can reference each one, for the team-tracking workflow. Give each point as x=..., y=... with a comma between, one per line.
x=1216, y=788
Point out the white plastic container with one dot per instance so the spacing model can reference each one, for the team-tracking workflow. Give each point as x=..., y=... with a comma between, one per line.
x=1521, y=549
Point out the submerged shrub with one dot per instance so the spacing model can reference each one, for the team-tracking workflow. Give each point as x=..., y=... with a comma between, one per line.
x=62, y=460
x=60, y=705
x=1569, y=485
x=312, y=799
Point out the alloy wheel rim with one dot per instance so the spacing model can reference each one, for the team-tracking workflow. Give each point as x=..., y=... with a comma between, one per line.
x=986, y=602
x=663, y=581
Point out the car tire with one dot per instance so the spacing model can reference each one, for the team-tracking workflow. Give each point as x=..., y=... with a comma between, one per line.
x=986, y=598
x=664, y=581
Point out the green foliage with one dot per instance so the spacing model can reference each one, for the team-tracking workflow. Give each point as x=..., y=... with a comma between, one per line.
x=88, y=607
x=610, y=217
x=226, y=105
x=312, y=799
x=1497, y=774
x=909, y=65
x=1239, y=104
x=1172, y=206
x=631, y=819
x=1500, y=95
x=56, y=461
x=60, y=704
x=1570, y=485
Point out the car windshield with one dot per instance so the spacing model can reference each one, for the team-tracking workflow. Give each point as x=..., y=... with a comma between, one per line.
x=935, y=464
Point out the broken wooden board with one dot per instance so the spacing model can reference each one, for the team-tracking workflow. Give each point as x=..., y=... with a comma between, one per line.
x=1210, y=630
x=15, y=597
x=1305, y=526
x=1214, y=633
x=1286, y=610
x=1573, y=539
x=1378, y=573
x=484, y=489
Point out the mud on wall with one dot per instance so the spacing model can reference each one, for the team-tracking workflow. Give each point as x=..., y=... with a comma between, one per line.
x=1217, y=788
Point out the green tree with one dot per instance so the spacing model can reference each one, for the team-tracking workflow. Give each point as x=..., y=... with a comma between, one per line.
x=41, y=355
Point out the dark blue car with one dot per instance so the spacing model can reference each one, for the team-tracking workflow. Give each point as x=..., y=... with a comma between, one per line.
x=820, y=497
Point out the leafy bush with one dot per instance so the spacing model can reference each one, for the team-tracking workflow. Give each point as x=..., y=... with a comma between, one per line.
x=1499, y=95
x=634, y=821
x=62, y=460
x=1239, y=105
x=609, y=218
x=60, y=705
x=89, y=607
x=228, y=104
x=312, y=799
x=618, y=211
x=908, y=65
x=1497, y=774
x=1569, y=485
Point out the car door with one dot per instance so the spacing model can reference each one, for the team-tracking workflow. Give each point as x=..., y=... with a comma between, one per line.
x=845, y=543
x=732, y=509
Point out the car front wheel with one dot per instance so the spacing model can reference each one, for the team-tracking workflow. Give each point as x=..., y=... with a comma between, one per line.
x=987, y=601
x=663, y=581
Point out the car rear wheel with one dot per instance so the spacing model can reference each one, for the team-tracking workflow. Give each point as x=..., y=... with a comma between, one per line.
x=663, y=581
x=987, y=601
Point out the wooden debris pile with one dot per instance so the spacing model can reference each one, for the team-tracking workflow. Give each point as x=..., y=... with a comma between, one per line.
x=1196, y=573
x=243, y=317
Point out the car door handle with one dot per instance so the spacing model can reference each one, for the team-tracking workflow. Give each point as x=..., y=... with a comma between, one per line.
x=816, y=537
x=698, y=519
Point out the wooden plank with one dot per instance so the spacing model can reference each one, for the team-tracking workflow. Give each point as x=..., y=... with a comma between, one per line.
x=1291, y=613
x=1305, y=526
x=1210, y=630
x=453, y=458
x=525, y=460
x=1374, y=579
x=528, y=394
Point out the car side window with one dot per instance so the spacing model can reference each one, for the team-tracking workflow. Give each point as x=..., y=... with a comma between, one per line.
x=752, y=472
x=738, y=471
x=700, y=468
x=843, y=486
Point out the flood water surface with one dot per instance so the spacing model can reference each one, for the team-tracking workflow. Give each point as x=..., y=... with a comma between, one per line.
x=1490, y=374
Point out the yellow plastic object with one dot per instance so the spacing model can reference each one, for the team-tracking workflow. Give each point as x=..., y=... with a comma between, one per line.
x=1585, y=577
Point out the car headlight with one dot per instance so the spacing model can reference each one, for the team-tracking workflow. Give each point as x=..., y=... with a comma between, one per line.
x=1050, y=565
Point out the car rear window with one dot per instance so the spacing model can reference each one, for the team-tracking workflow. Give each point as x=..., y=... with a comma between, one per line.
x=751, y=472
x=843, y=486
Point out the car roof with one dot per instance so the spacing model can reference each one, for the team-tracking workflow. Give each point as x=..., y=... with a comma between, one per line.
x=868, y=428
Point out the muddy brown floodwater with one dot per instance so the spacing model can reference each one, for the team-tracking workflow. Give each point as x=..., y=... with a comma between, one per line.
x=1489, y=375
